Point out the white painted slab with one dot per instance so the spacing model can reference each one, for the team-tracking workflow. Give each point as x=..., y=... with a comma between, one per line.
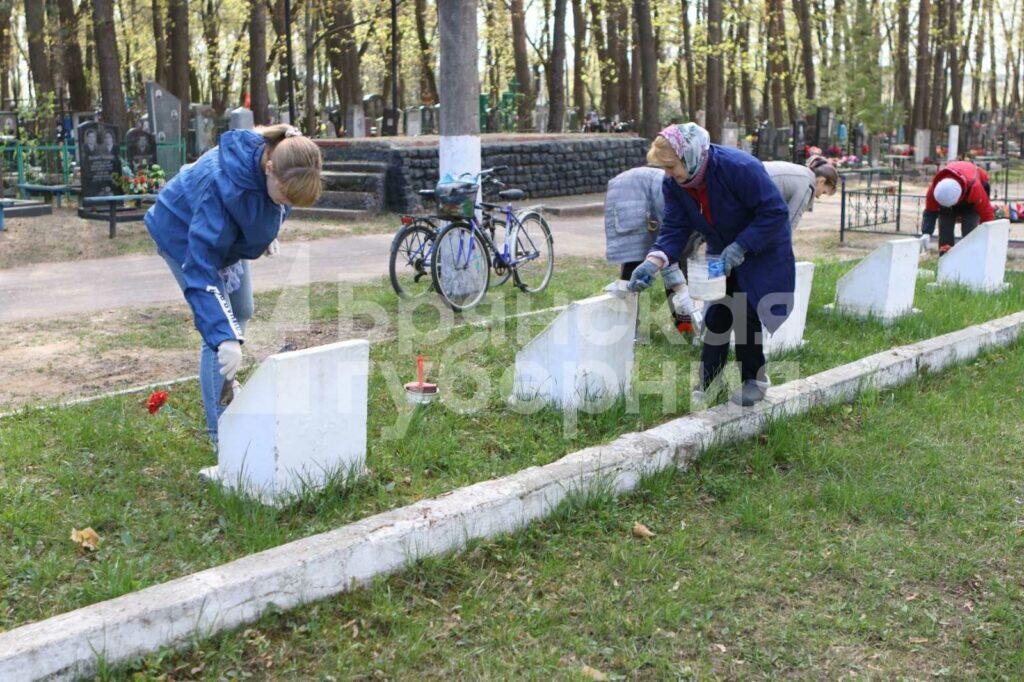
x=585, y=355
x=978, y=261
x=882, y=285
x=299, y=421
x=790, y=333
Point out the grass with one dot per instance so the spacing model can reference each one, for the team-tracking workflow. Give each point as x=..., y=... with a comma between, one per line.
x=132, y=477
x=880, y=540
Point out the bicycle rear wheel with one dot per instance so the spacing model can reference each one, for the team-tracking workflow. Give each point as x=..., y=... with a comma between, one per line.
x=409, y=262
x=461, y=268
x=534, y=254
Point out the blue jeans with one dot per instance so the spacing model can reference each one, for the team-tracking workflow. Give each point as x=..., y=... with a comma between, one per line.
x=210, y=380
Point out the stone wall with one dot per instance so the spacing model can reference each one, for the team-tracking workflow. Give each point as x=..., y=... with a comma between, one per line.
x=543, y=166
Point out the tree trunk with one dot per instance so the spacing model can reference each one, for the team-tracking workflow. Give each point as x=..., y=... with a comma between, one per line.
x=803, y=16
x=6, y=38
x=714, y=106
x=787, y=71
x=108, y=63
x=938, y=102
x=691, y=81
x=160, y=42
x=311, y=19
x=258, y=95
x=428, y=81
x=920, y=120
x=211, y=38
x=522, y=65
x=902, y=79
x=956, y=76
x=78, y=86
x=649, y=125
x=634, y=71
x=603, y=58
x=579, y=58
x=620, y=54
x=344, y=56
x=746, y=84
x=993, y=96
x=179, y=47
x=774, y=57
x=38, y=53
x=460, y=87
x=556, y=71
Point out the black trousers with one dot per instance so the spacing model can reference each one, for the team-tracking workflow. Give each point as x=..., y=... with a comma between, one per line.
x=720, y=320
x=947, y=225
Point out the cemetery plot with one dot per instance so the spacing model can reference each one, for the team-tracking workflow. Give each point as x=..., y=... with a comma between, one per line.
x=883, y=284
x=93, y=465
x=978, y=261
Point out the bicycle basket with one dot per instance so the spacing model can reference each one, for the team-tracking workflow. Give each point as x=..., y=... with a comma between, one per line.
x=455, y=198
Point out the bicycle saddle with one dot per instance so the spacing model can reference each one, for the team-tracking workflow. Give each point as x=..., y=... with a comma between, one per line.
x=512, y=194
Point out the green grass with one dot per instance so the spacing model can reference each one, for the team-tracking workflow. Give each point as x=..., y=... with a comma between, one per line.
x=132, y=477
x=881, y=540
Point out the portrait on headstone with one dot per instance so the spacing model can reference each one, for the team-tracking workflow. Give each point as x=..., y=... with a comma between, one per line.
x=141, y=148
x=8, y=124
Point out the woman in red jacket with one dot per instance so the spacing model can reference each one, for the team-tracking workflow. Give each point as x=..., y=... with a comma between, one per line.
x=959, y=191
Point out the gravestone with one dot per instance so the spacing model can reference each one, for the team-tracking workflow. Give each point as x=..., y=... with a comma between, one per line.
x=799, y=141
x=823, y=129
x=98, y=149
x=922, y=145
x=414, y=121
x=241, y=119
x=859, y=140
x=9, y=124
x=355, y=121
x=978, y=261
x=952, y=147
x=790, y=334
x=428, y=116
x=373, y=106
x=584, y=356
x=730, y=134
x=165, y=121
x=765, y=141
x=204, y=129
x=783, y=142
x=875, y=150
x=141, y=148
x=334, y=121
x=540, y=118
x=299, y=422
x=882, y=285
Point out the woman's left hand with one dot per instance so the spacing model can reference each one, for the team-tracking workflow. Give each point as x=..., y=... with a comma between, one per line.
x=273, y=249
x=733, y=255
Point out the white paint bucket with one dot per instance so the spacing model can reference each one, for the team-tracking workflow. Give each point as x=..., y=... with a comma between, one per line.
x=705, y=277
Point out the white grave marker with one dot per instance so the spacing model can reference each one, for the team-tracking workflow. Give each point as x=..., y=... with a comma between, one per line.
x=953, y=145
x=881, y=285
x=978, y=261
x=299, y=421
x=790, y=333
x=584, y=356
x=922, y=145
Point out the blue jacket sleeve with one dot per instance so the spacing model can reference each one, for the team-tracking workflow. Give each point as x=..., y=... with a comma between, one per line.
x=210, y=234
x=675, y=227
x=754, y=188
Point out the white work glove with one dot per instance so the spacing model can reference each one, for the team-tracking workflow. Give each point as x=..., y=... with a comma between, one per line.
x=273, y=249
x=229, y=355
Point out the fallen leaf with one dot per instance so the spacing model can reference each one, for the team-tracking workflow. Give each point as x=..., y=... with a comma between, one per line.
x=721, y=648
x=918, y=640
x=593, y=673
x=969, y=605
x=641, y=531
x=87, y=539
x=912, y=597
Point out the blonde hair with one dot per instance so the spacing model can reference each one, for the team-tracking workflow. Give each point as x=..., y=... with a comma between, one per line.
x=661, y=154
x=297, y=163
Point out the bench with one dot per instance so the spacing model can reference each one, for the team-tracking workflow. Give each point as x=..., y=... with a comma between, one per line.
x=113, y=210
x=56, y=191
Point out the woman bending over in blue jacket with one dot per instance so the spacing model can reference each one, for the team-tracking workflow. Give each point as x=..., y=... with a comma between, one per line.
x=727, y=196
x=214, y=216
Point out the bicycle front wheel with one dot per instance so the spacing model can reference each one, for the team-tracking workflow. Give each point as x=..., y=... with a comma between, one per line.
x=534, y=253
x=409, y=265
x=461, y=269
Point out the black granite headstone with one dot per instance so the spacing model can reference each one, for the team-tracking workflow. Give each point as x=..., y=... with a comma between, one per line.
x=98, y=146
x=765, y=141
x=373, y=106
x=823, y=127
x=799, y=141
x=141, y=148
x=429, y=120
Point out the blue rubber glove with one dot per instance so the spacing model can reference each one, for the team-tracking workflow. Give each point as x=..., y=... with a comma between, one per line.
x=643, y=276
x=733, y=255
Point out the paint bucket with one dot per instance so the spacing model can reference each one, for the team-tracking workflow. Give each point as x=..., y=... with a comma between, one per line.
x=705, y=277
x=420, y=392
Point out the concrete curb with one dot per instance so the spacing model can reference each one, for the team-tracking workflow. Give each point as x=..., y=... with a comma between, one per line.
x=320, y=566
x=575, y=210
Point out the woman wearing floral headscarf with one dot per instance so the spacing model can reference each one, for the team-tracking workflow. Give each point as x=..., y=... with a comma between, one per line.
x=727, y=196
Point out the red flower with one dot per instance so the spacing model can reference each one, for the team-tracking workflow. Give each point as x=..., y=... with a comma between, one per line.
x=156, y=401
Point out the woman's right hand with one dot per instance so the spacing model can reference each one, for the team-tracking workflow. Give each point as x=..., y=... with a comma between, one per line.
x=643, y=276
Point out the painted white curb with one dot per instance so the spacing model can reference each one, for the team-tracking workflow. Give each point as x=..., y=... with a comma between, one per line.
x=320, y=566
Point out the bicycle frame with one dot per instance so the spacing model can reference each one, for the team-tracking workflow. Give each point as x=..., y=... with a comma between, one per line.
x=512, y=227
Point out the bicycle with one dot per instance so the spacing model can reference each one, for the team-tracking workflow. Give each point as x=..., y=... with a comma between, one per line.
x=466, y=249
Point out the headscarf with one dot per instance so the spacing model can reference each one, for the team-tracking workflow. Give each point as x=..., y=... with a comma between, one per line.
x=690, y=142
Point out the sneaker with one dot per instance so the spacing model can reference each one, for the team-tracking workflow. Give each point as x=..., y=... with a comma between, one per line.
x=944, y=249
x=684, y=324
x=751, y=393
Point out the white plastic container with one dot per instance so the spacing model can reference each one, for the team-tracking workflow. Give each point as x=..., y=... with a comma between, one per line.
x=705, y=277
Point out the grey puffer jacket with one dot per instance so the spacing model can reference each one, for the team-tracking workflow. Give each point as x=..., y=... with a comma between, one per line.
x=633, y=211
x=795, y=184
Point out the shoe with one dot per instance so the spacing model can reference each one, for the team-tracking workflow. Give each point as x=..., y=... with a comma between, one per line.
x=944, y=249
x=684, y=324
x=751, y=393
x=926, y=241
x=698, y=401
